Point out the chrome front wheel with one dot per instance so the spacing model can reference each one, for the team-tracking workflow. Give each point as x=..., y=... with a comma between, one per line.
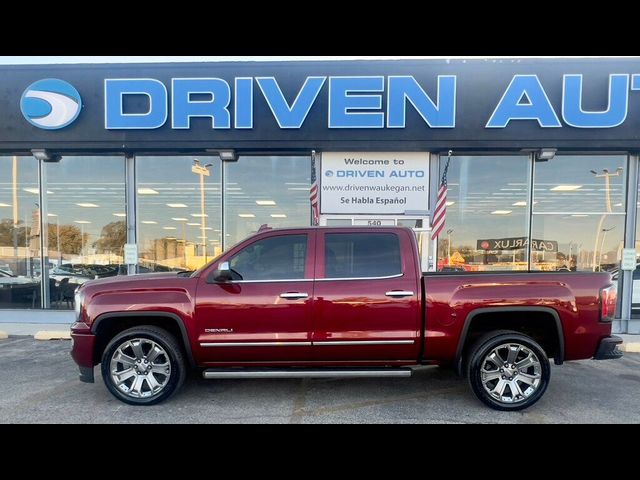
x=143, y=365
x=140, y=368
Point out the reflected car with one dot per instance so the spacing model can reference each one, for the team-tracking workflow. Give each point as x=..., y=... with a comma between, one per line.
x=16, y=291
x=7, y=278
x=74, y=276
x=635, y=299
x=5, y=268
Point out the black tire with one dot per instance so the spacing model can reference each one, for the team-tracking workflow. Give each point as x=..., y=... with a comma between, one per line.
x=174, y=353
x=483, y=347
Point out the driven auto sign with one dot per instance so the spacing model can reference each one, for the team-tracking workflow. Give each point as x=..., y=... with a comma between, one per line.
x=355, y=183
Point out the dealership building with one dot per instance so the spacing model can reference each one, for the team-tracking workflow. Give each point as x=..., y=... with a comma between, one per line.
x=131, y=168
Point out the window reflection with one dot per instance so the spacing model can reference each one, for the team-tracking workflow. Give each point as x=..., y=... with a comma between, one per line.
x=271, y=191
x=487, y=215
x=86, y=223
x=579, y=205
x=635, y=302
x=179, y=217
x=20, y=266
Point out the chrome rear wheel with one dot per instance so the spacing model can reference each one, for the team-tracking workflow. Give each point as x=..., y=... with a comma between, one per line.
x=508, y=370
x=511, y=373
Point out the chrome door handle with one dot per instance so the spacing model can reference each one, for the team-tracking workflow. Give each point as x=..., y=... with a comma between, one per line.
x=399, y=294
x=294, y=295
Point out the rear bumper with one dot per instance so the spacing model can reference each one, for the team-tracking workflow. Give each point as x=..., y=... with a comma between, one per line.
x=608, y=348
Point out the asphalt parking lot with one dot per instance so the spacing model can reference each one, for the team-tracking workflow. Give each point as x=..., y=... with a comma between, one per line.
x=39, y=384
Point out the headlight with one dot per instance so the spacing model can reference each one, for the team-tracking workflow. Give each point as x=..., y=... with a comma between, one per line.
x=78, y=298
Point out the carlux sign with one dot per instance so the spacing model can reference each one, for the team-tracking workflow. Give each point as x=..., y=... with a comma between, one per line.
x=354, y=102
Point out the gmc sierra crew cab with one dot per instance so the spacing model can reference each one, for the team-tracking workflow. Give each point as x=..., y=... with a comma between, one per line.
x=339, y=302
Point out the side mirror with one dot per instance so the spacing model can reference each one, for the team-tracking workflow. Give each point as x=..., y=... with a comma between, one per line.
x=222, y=274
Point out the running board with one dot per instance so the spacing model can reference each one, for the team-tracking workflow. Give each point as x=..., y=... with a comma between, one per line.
x=217, y=373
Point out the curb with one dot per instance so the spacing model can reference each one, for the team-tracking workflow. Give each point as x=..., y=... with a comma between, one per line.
x=3, y=335
x=630, y=347
x=49, y=335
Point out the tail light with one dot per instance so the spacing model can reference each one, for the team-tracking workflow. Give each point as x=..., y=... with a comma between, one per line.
x=608, y=300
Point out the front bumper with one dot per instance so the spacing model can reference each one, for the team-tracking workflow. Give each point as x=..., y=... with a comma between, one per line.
x=608, y=348
x=82, y=353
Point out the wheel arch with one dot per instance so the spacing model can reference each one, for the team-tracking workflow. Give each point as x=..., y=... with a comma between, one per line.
x=132, y=319
x=506, y=311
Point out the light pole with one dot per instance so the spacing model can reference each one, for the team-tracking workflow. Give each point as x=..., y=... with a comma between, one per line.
x=607, y=190
x=82, y=223
x=15, y=208
x=57, y=236
x=604, y=235
x=184, y=243
x=203, y=171
x=449, y=232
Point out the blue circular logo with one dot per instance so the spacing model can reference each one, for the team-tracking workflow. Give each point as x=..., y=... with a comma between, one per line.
x=50, y=104
x=329, y=173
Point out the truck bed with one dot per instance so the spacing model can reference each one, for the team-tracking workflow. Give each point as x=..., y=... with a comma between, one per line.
x=570, y=299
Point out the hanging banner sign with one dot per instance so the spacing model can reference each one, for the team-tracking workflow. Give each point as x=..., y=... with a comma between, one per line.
x=355, y=183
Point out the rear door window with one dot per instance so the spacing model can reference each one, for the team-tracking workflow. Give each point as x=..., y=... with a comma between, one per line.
x=362, y=255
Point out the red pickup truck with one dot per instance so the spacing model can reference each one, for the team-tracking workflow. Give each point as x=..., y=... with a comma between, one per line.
x=339, y=302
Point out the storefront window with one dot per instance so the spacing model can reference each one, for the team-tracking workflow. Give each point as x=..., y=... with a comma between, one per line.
x=487, y=216
x=86, y=223
x=579, y=213
x=179, y=212
x=271, y=191
x=635, y=299
x=20, y=267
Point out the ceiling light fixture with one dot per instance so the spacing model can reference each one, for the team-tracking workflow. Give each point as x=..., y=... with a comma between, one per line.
x=501, y=212
x=246, y=215
x=176, y=205
x=147, y=191
x=566, y=188
x=87, y=205
x=35, y=191
x=266, y=203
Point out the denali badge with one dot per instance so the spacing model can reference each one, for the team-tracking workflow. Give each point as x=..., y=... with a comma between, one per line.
x=218, y=330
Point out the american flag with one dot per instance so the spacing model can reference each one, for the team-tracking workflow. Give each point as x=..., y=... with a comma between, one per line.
x=313, y=196
x=440, y=213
